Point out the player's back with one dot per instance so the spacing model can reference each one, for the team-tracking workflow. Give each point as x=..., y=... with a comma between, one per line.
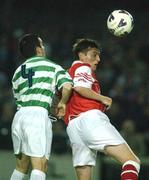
x=34, y=82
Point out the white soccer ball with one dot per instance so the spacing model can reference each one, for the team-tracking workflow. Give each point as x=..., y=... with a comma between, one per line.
x=120, y=23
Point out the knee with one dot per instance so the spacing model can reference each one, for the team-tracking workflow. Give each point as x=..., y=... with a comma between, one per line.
x=46, y=166
x=83, y=172
x=22, y=165
x=40, y=164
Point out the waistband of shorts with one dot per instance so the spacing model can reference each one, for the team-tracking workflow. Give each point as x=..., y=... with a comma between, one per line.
x=71, y=117
x=32, y=108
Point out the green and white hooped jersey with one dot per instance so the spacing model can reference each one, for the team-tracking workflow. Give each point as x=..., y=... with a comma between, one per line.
x=36, y=81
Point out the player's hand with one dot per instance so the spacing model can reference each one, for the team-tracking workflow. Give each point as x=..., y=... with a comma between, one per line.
x=107, y=102
x=61, y=109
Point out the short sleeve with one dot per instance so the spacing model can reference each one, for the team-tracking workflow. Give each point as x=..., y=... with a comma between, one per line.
x=62, y=77
x=83, y=77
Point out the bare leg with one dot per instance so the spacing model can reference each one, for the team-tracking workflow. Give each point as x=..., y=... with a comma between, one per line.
x=39, y=168
x=22, y=167
x=83, y=172
x=39, y=163
x=22, y=163
x=121, y=153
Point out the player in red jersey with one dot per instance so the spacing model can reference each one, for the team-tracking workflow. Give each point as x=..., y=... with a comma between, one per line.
x=89, y=129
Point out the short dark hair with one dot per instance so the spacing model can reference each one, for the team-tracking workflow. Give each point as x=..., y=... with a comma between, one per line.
x=82, y=45
x=28, y=44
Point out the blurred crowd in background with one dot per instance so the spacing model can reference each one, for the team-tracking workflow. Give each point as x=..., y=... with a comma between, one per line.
x=123, y=72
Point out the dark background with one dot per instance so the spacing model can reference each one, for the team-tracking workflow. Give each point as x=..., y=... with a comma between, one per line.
x=123, y=71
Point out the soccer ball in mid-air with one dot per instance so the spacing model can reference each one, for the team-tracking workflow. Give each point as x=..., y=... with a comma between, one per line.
x=120, y=23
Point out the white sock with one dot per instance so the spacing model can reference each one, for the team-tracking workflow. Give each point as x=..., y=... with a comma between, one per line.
x=17, y=175
x=37, y=174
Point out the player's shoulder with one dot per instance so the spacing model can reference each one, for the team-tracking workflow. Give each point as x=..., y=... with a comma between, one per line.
x=49, y=63
x=78, y=64
x=53, y=63
x=40, y=60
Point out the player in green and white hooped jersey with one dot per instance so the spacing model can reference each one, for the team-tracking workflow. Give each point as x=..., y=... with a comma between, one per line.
x=34, y=84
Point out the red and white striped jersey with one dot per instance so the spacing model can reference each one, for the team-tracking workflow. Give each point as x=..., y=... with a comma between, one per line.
x=83, y=76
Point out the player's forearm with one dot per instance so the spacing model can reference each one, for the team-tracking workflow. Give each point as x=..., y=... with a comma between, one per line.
x=89, y=93
x=66, y=92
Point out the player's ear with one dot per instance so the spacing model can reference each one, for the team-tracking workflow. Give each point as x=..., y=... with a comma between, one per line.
x=81, y=56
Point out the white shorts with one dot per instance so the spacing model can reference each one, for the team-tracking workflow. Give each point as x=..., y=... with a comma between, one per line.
x=91, y=132
x=32, y=132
